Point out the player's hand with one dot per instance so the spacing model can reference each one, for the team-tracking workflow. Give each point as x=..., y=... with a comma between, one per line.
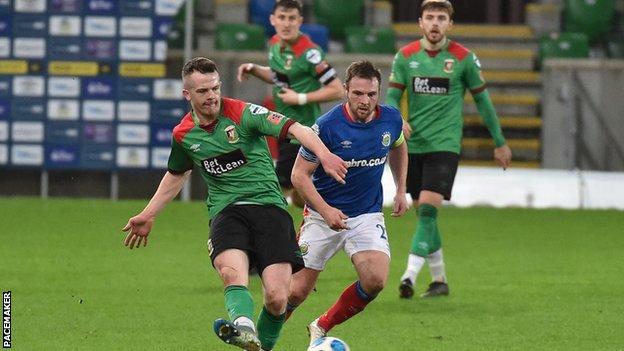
x=138, y=228
x=400, y=205
x=334, y=218
x=335, y=167
x=502, y=155
x=407, y=130
x=289, y=96
x=244, y=70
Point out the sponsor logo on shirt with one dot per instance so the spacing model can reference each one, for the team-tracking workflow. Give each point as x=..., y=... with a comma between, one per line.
x=313, y=56
x=366, y=163
x=222, y=164
x=429, y=85
x=414, y=64
x=346, y=144
x=194, y=147
x=257, y=109
x=231, y=134
x=288, y=62
x=275, y=118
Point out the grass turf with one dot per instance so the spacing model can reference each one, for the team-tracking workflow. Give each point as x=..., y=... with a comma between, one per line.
x=520, y=279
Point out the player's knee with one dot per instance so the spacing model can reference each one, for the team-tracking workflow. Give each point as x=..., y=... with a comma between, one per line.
x=275, y=301
x=297, y=294
x=373, y=284
x=230, y=275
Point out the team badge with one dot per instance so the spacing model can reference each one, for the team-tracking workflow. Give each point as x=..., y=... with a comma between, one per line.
x=288, y=62
x=304, y=248
x=274, y=118
x=449, y=64
x=385, y=139
x=232, y=135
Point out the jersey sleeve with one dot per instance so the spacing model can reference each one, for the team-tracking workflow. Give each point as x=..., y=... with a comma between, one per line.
x=319, y=67
x=306, y=153
x=473, y=78
x=398, y=76
x=259, y=119
x=179, y=162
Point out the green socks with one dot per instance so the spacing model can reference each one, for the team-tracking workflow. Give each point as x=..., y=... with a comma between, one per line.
x=427, y=239
x=269, y=327
x=238, y=302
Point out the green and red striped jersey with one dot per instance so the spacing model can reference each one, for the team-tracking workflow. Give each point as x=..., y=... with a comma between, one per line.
x=436, y=83
x=301, y=67
x=231, y=154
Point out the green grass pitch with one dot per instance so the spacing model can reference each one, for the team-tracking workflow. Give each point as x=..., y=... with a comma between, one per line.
x=520, y=280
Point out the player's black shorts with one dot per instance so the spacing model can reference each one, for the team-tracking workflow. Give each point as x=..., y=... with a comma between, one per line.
x=432, y=171
x=265, y=232
x=285, y=162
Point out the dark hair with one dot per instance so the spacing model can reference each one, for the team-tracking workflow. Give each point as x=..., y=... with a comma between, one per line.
x=443, y=5
x=362, y=69
x=199, y=64
x=288, y=4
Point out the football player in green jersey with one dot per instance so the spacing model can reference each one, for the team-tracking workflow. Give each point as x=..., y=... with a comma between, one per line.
x=301, y=79
x=249, y=226
x=435, y=72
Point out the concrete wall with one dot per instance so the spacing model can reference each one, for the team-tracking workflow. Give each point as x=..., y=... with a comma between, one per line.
x=583, y=114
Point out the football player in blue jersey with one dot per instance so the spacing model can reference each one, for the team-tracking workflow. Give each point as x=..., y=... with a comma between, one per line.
x=349, y=217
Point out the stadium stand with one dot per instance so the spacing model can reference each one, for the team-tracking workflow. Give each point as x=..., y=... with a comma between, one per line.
x=363, y=39
x=593, y=18
x=318, y=33
x=564, y=45
x=239, y=37
x=338, y=15
x=259, y=12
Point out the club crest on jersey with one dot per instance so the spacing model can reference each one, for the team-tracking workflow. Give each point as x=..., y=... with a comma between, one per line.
x=386, y=138
x=231, y=134
x=449, y=64
x=288, y=62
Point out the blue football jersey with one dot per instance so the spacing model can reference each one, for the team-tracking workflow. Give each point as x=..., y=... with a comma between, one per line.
x=365, y=148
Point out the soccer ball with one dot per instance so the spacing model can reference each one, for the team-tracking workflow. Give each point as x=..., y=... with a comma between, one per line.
x=328, y=343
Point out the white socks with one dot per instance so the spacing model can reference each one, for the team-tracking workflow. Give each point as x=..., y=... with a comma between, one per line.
x=414, y=265
x=436, y=266
x=246, y=322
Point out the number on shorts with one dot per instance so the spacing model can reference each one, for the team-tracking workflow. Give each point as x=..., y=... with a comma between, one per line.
x=383, y=231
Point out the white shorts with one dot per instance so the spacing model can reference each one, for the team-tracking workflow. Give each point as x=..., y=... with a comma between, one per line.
x=318, y=243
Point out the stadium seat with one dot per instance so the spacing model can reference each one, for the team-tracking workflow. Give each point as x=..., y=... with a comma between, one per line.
x=318, y=33
x=259, y=12
x=594, y=18
x=615, y=48
x=338, y=15
x=240, y=37
x=370, y=40
x=571, y=45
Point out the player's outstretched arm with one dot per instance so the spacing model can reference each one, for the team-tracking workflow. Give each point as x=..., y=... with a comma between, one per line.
x=333, y=165
x=261, y=72
x=397, y=157
x=302, y=182
x=139, y=226
x=330, y=92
